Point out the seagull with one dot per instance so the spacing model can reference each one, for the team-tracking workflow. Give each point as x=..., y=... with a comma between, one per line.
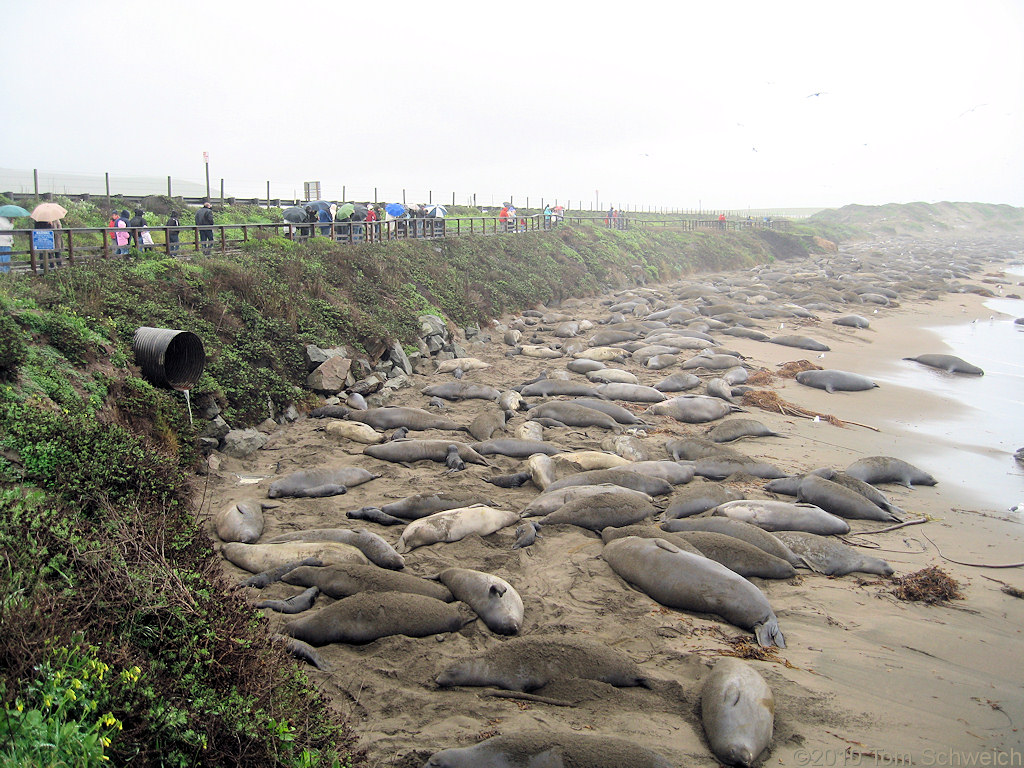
x=819, y=93
x=821, y=355
x=782, y=325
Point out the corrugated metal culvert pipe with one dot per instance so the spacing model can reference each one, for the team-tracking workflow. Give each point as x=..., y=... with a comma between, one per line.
x=169, y=358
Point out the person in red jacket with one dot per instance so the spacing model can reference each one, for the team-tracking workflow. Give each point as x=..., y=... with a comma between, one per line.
x=503, y=217
x=721, y=221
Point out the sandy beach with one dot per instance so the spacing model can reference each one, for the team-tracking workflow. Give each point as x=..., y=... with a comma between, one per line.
x=865, y=679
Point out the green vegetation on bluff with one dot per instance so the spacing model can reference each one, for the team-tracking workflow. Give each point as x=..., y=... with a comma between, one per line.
x=117, y=631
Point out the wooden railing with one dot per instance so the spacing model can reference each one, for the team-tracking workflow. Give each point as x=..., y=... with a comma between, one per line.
x=79, y=244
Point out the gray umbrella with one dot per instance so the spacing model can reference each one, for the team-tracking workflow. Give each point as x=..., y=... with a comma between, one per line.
x=294, y=215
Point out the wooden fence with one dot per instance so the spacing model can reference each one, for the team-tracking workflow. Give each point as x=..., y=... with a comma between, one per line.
x=70, y=246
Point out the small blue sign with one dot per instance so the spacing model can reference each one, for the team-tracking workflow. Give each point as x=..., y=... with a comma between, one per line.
x=42, y=240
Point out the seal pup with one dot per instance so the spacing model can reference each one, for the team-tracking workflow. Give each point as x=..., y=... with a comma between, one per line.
x=300, y=650
x=493, y=599
x=241, y=521
x=731, y=430
x=549, y=501
x=452, y=459
x=652, y=486
x=526, y=534
x=547, y=748
x=409, y=451
x=453, y=525
x=737, y=710
x=747, y=532
x=693, y=409
x=531, y=662
x=462, y=390
x=678, y=579
x=699, y=498
x=515, y=480
x=367, y=616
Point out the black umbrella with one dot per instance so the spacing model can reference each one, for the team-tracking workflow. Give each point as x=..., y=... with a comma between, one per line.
x=360, y=211
x=294, y=215
x=320, y=204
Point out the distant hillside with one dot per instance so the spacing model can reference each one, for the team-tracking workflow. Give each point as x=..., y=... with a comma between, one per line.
x=942, y=220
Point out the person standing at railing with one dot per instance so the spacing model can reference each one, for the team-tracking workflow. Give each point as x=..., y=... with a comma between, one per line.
x=721, y=221
x=137, y=226
x=547, y=216
x=204, y=220
x=513, y=222
x=6, y=244
x=172, y=234
x=119, y=238
x=372, y=228
x=323, y=215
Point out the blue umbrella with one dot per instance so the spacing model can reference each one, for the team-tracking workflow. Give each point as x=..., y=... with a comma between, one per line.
x=394, y=209
x=320, y=204
x=12, y=210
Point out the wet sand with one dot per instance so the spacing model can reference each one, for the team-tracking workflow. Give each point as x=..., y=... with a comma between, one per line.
x=865, y=679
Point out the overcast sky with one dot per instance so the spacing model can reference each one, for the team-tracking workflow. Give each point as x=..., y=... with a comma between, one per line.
x=726, y=104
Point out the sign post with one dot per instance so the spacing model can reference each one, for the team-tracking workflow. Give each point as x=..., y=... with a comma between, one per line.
x=206, y=162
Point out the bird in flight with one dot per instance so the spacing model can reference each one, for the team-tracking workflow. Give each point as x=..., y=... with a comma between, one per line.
x=819, y=93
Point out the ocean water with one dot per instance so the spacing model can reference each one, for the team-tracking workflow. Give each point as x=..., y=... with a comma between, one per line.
x=972, y=446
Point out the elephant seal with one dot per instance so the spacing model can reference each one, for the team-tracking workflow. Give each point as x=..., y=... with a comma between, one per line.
x=699, y=498
x=344, y=579
x=828, y=556
x=835, y=381
x=602, y=354
x=648, y=531
x=465, y=363
x=678, y=579
x=852, y=321
x=736, y=555
x=539, y=352
x=393, y=417
x=423, y=504
x=737, y=710
x=493, y=599
x=607, y=337
x=295, y=604
x=266, y=578
x=549, y=501
x=453, y=460
x=694, y=409
x=548, y=749
x=886, y=469
x=573, y=415
x=670, y=471
x=356, y=431
x=542, y=470
x=660, y=362
x=800, y=342
x=738, y=529
x=553, y=387
x=631, y=393
x=240, y=521
x=379, y=551
x=526, y=534
x=718, y=387
x=581, y=461
x=612, y=376
x=454, y=524
x=461, y=390
x=373, y=515
x=515, y=448
x=840, y=500
x=310, y=482
x=367, y=616
x=422, y=450
x=487, y=423
x=356, y=401
x=510, y=400
x=731, y=430
x=600, y=511
x=652, y=486
x=528, y=663
x=948, y=363
x=330, y=412
x=783, y=516
x=617, y=412
x=585, y=366
x=693, y=448
x=735, y=375
x=721, y=467
x=678, y=382
x=256, y=558
x=529, y=430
